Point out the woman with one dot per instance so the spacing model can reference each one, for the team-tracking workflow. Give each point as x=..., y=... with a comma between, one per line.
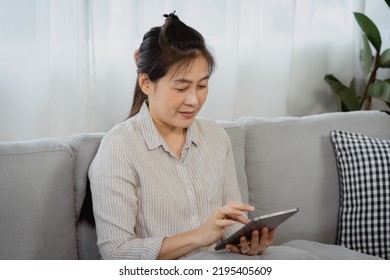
x=163, y=182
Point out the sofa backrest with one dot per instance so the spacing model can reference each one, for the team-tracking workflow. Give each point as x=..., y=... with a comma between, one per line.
x=237, y=137
x=290, y=163
x=84, y=147
x=37, y=200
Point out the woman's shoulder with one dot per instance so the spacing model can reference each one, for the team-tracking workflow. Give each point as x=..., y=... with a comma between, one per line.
x=208, y=123
x=125, y=131
x=211, y=127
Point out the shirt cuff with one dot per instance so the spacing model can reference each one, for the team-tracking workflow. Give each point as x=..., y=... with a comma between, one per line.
x=151, y=248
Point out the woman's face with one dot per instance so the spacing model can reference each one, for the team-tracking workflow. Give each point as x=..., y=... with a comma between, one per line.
x=176, y=99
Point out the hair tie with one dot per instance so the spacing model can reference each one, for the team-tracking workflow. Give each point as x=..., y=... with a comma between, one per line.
x=171, y=16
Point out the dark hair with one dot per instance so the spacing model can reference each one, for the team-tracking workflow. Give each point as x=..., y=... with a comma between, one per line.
x=172, y=45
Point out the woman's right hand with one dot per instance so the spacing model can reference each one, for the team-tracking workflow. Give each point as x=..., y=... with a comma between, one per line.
x=176, y=246
x=220, y=219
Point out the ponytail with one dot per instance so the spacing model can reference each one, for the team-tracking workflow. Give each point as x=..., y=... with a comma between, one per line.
x=138, y=100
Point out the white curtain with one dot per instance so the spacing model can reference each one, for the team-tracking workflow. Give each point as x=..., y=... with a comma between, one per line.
x=66, y=66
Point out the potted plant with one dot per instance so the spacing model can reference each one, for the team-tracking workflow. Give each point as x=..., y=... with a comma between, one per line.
x=349, y=99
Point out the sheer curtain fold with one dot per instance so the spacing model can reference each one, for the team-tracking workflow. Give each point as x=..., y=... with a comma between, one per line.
x=325, y=40
x=66, y=66
x=44, y=69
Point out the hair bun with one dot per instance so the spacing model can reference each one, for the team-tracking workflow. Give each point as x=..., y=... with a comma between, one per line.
x=171, y=16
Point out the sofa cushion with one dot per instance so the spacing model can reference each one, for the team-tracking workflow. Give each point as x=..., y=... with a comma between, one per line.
x=364, y=170
x=36, y=200
x=292, y=250
x=84, y=147
x=290, y=163
x=237, y=138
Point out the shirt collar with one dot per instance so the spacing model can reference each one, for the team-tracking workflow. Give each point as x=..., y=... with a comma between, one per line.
x=153, y=138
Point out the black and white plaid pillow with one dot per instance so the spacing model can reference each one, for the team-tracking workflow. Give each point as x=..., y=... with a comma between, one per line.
x=364, y=170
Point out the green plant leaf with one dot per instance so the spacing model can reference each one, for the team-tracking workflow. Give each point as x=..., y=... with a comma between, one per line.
x=380, y=90
x=388, y=2
x=384, y=59
x=352, y=84
x=366, y=56
x=347, y=96
x=369, y=28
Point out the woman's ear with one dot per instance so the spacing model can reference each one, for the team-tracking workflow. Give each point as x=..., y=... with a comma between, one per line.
x=145, y=83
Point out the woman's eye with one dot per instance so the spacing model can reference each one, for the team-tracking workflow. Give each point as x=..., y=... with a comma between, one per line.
x=181, y=89
x=202, y=86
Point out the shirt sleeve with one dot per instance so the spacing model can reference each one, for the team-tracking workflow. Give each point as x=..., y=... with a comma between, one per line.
x=114, y=194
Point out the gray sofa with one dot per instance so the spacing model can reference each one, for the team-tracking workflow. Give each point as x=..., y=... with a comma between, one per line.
x=281, y=163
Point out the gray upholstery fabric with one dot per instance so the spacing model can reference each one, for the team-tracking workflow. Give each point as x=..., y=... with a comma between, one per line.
x=36, y=200
x=328, y=251
x=84, y=147
x=237, y=138
x=272, y=253
x=290, y=163
x=292, y=250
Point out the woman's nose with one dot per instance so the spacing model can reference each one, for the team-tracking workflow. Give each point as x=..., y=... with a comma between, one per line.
x=192, y=98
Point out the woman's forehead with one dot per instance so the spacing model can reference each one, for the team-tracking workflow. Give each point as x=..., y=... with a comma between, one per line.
x=195, y=69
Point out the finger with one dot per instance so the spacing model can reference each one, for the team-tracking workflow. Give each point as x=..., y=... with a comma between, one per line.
x=264, y=236
x=224, y=222
x=254, y=244
x=271, y=235
x=242, y=219
x=244, y=243
x=228, y=212
x=235, y=210
x=233, y=248
x=255, y=239
x=240, y=206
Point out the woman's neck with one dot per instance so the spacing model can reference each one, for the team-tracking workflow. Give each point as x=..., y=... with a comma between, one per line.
x=174, y=137
x=175, y=140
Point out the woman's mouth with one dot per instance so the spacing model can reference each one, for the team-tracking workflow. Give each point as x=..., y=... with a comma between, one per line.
x=188, y=114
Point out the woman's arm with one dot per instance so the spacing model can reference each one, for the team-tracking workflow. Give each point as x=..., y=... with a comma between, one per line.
x=181, y=244
x=115, y=204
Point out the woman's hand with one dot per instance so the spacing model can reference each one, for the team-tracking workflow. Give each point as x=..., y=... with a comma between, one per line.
x=176, y=246
x=220, y=219
x=257, y=244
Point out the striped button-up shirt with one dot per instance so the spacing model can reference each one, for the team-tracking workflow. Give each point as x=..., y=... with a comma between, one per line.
x=143, y=193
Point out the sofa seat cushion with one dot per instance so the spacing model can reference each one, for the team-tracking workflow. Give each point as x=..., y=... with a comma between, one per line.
x=364, y=171
x=36, y=200
x=292, y=250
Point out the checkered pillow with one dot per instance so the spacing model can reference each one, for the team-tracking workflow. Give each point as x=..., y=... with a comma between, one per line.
x=364, y=171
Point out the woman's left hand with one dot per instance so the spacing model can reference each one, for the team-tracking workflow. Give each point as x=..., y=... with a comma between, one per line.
x=255, y=246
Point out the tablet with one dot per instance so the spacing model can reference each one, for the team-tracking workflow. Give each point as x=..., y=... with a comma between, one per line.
x=270, y=221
